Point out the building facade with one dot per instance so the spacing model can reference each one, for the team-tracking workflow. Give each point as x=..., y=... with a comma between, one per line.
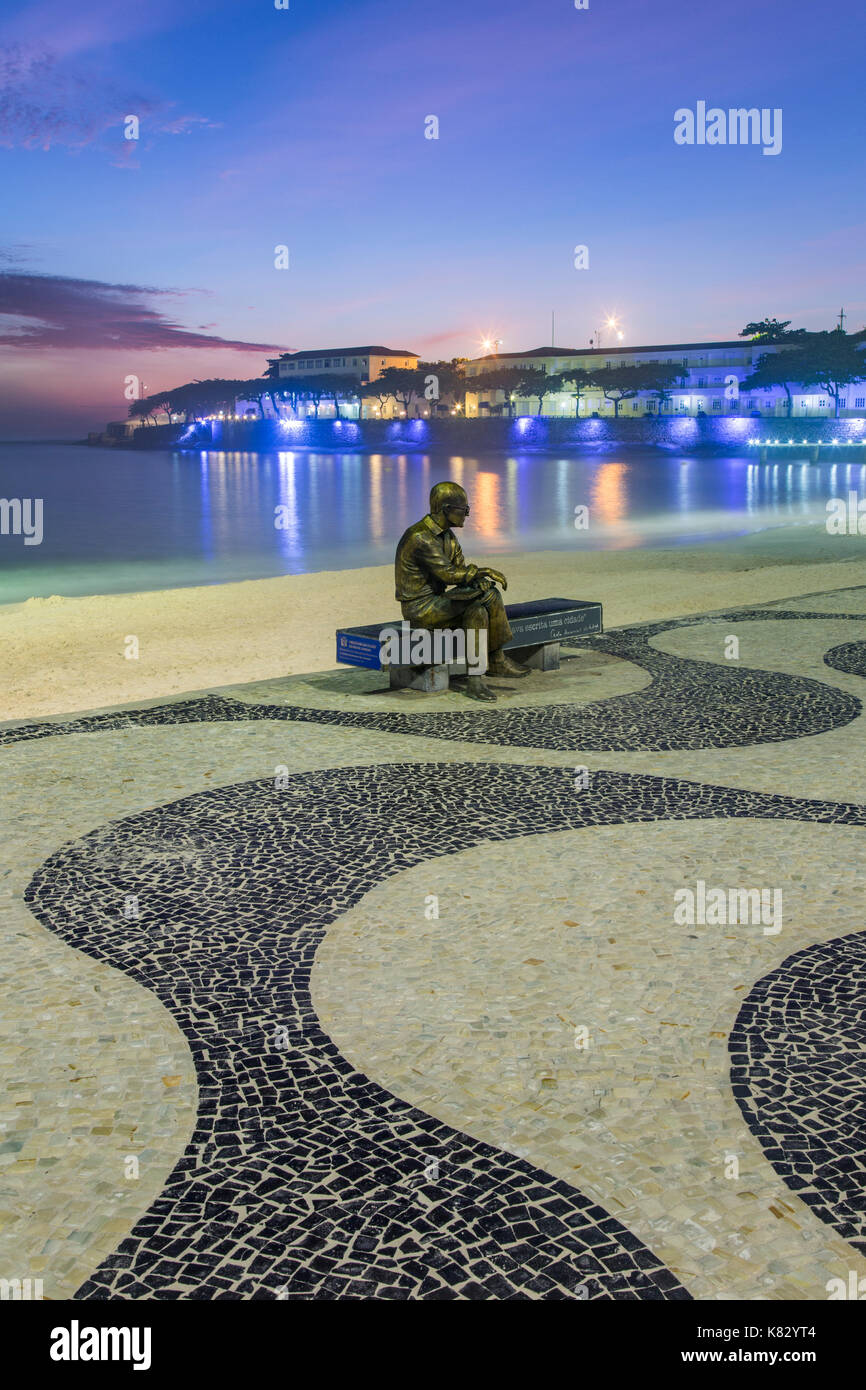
x=365, y=363
x=709, y=383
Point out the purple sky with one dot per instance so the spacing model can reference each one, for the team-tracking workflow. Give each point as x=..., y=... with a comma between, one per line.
x=305, y=127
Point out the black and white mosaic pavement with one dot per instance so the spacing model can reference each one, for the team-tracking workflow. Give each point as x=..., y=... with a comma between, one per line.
x=688, y=705
x=797, y=1052
x=305, y=1179
x=849, y=657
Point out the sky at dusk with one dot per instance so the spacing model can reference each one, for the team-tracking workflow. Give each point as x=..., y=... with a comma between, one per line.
x=306, y=127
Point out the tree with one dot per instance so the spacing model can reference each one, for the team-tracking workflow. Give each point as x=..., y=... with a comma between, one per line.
x=831, y=360
x=657, y=378
x=454, y=386
x=341, y=385
x=292, y=391
x=403, y=383
x=372, y=390
x=772, y=331
x=193, y=398
x=773, y=369
x=315, y=388
x=618, y=384
x=259, y=389
x=146, y=407
x=581, y=380
x=535, y=381
x=505, y=379
x=449, y=384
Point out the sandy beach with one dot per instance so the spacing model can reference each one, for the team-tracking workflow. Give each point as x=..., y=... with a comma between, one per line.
x=63, y=655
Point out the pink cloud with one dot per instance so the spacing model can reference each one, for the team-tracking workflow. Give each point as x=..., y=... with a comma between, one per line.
x=56, y=311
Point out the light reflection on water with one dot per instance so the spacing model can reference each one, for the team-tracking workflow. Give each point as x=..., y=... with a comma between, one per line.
x=116, y=521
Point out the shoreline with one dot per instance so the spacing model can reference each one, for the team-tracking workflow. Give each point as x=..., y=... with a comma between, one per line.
x=66, y=655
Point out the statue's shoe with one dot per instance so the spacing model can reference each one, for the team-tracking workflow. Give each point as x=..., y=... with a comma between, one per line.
x=505, y=665
x=477, y=690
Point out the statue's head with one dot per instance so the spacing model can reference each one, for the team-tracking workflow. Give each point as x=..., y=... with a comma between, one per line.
x=449, y=504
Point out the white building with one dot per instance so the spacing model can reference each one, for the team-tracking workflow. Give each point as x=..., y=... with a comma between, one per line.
x=365, y=363
x=709, y=383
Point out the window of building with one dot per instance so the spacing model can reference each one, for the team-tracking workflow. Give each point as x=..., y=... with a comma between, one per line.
x=319, y=363
x=702, y=381
x=635, y=405
x=751, y=405
x=859, y=402
x=717, y=405
x=327, y=362
x=821, y=404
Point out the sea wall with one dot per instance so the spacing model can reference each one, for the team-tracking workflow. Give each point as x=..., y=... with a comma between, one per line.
x=527, y=433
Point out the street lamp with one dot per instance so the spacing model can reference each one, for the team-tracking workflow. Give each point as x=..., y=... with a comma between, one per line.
x=611, y=322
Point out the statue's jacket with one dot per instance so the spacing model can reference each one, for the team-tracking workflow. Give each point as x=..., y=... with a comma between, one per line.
x=428, y=560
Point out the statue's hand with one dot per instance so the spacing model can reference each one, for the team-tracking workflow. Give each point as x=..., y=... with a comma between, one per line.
x=495, y=576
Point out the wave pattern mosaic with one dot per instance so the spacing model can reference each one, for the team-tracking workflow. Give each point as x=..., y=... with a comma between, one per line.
x=304, y=1178
x=797, y=1072
x=688, y=705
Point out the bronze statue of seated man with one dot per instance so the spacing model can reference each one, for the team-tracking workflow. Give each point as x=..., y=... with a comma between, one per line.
x=429, y=561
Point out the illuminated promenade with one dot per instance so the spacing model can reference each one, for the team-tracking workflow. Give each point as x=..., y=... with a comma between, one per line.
x=280, y=1042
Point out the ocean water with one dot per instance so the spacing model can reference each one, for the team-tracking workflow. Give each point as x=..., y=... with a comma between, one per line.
x=116, y=521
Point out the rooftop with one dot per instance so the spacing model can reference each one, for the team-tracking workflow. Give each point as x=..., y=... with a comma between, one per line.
x=617, y=347
x=368, y=351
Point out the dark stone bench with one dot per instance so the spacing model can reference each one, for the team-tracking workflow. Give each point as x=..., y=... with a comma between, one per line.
x=538, y=628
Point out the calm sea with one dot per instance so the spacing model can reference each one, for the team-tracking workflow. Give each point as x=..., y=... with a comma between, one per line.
x=115, y=521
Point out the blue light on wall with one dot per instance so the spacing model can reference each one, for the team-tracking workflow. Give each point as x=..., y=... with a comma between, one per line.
x=530, y=429
x=684, y=427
